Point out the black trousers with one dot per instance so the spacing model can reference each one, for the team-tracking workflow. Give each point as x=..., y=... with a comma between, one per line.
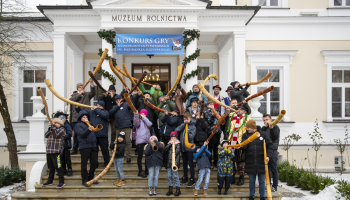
x=86, y=155
x=54, y=163
x=155, y=126
x=213, y=148
x=187, y=158
x=66, y=159
x=140, y=148
x=75, y=142
x=102, y=142
x=226, y=179
x=273, y=168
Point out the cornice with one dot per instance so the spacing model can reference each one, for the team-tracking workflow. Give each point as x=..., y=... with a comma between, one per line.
x=285, y=54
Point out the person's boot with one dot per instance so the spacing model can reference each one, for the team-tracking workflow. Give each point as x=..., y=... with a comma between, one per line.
x=150, y=191
x=219, y=191
x=262, y=198
x=191, y=183
x=154, y=190
x=70, y=172
x=184, y=181
x=205, y=192
x=226, y=192
x=170, y=192
x=240, y=180
x=178, y=192
x=251, y=198
x=233, y=180
x=195, y=192
x=141, y=174
x=73, y=152
x=116, y=183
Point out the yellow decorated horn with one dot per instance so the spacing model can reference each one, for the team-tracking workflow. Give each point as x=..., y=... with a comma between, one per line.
x=279, y=118
x=187, y=144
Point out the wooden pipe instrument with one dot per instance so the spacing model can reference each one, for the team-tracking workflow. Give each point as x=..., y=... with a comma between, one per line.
x=149, y=104
x=279, y=118
x=206, y=93
x=138, y=82
x=128, y=101
x=48, y=84
x=187, y=144
x=96, y=81
x=207, y=79
x=177, y=81
x=268, y=184
x=45, y=104
x=155, y=148
x=135, y=79
x=221, y=119
x=117, y=74
x=247, y=141
x=97, y=129
x=267, y=90
x=173, y=165
x=217, y=115
x=202, y=108
x=262, y=80
x=89, y=183
x=132, y=80
x=104, y=54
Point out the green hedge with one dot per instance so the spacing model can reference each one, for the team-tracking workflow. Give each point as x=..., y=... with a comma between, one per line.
x=11, y=175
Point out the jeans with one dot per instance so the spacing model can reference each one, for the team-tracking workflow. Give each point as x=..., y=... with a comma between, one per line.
x=273, y=168
x=173, y=175
x=203, y=173
x=187, y=158
x=261, y=179
x=153, y=173
x=118, y=165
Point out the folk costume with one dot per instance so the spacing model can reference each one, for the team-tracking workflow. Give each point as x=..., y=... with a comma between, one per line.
x=217, y=97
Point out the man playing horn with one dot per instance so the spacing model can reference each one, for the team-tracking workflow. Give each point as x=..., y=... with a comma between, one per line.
x=166, y=104
x=84, y=98
x=238, y=92
x=179, y=101
x=217, y=96
x=195, y=93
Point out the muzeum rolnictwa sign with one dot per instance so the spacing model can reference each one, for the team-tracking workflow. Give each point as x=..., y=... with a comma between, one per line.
x=150, y=18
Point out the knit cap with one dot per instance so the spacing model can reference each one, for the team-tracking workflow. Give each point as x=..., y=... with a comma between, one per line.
x=173, y=134
x=121, y=134
x=251, y=124
x=101, y=103
x=143, y=111
x=111, y=87
x=79, y=84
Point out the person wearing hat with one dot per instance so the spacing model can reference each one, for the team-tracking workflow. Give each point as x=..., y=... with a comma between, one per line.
x=238, y=92
x=255, y=163
x=170, y=122
x=66, y=160
x=155, y=91
x=227, y=100
x=217, y=96
x=194, y=107
x=122, y=116
x=195, y=93
x=235, y=130
x=167, y=105
x=100, y=116
x=84, y=98
x=119, y=159
x=54, y=149
x=171, y=174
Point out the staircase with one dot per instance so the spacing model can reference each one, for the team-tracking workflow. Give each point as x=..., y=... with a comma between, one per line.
x=136, y=187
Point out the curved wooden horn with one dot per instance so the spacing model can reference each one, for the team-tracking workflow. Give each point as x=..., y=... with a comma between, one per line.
x=99, y=64
x=132, y=80
x=96, y=81
x=206, y=93
x=207, y=79
x=262, y=80
x=218, y=124
x=177, y=81
x=188, y=144
x=97, y=129
x=267, y=90
x=128, y=101
x=135, y=79
x=182, y=72
x=45, y=104
x=247, y=141
x=279, y=118
x=48, y=84
x=117, y=74
x=138, y=82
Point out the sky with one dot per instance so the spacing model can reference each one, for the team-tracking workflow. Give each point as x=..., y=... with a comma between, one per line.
x=33, y=3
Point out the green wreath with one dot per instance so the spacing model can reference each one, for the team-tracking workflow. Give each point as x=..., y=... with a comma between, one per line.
x=188, y=37
x=193, y=73
x=229, y=127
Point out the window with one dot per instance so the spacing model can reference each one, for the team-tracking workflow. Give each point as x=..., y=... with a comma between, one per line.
x=271, y=103
x=340, y=3
x=269, y=3
x=155, y=73
x=31, y=80
x=202, y=76
x=340, y=93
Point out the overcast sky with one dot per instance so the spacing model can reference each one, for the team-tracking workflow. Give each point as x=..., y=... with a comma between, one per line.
x=34, y=3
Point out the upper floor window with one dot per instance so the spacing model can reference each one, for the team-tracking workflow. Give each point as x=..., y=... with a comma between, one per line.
x=339, y=3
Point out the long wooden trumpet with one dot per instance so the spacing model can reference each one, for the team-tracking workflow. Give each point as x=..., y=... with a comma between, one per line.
x=45, y=104
x=99, y=64
x=135, y=79
x=182, y=72
x=279, y=118
x=138, y=82
x=155, y=148
x=247, y=141
x=96, y=81
x=97, y=129
x=187, y=144
x=217, y=115
x=202, y=108
x=206, y=93
x=117, y=74
x=48, y=84
x=128, y=101
x=177, y=81
x=267, y=90
x=173, y=165
x=207, y=79
x=221, y=119
x=132, y=80
x=268, y=184
x=154, y=107
x=262, y=80
x=105, y=169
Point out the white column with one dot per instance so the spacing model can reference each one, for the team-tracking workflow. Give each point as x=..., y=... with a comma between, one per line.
x=59, y=81
x=238, y=56
x=118, y=85
x=191, y=48
x=77, y=70
x=224, y=78
x=105, y=66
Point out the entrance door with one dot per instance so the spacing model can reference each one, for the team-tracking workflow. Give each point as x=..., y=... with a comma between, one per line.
x=155, y=73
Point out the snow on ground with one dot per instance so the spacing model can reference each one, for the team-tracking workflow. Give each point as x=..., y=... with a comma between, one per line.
x=5, y=192
x=336, y=176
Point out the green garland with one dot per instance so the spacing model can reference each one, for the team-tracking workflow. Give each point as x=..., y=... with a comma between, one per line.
x=192, y=74
x=191, y=57
x=229, y=127
x=108, y=36
x=106, y=74
x=193, y=34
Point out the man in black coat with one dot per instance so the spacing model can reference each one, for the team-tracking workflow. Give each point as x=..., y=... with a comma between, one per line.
x=238, y=92
x=274, y=134
x=255, y=163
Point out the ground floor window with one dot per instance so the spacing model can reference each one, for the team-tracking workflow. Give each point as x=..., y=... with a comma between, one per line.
x=340, y=93
x=155, y=73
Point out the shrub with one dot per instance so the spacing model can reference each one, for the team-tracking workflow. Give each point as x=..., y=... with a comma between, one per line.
x=282, y=170
x=290, y=172
x=343, y=188
x=11, y=175
x=304, y=180
x=297, y=175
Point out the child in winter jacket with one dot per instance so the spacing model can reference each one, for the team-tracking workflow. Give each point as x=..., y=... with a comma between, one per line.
x=142, y=135
x=171, y=173
x=186, y=153
x=54, y=148
x=154, y=161
x=119, y=159
x=202, y=158
x=201, y=130
x=170, y=121
x=225, y=167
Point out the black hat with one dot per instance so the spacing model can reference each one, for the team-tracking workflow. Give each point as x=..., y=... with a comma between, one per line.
x=59, y=113
x=117, y=97
x=224, y=141
x=121, y=134
x=194, y=99
x=234, y=83
x=177, y=110
x=111, y=87
x=217, y=86
x=245, y=107
x=229, y=88
x=162, y=86
x=146, y=93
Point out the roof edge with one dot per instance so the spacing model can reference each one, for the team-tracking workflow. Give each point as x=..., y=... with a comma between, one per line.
x=255, y=8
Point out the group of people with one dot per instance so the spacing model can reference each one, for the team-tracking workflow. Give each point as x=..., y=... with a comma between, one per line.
x=155, y=133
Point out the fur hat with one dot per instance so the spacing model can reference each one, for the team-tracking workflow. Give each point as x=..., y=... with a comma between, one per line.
x=101, y=103
x=58, y=121
x=162, y=86
x=224, y=141
x=251, y=124
x=143, y=111
x=79, y=84
x=121, y=134
x=173, y=134
x=245, y=107
x=217, y=86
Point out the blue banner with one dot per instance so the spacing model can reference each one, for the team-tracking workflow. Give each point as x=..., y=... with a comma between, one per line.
x=149, y=44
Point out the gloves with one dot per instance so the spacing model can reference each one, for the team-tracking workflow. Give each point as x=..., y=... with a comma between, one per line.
x=247, y=86
x=179, y=86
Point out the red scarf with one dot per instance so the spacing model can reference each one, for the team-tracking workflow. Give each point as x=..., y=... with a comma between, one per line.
x=238, y=119
x=216, y=106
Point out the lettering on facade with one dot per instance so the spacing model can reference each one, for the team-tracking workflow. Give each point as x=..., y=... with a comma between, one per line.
x=149, y=18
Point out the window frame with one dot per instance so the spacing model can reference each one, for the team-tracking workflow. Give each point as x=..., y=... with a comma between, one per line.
x=281, y=4
x=331, y=4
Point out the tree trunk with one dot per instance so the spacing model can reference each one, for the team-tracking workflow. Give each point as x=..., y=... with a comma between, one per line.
x=11, y=138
